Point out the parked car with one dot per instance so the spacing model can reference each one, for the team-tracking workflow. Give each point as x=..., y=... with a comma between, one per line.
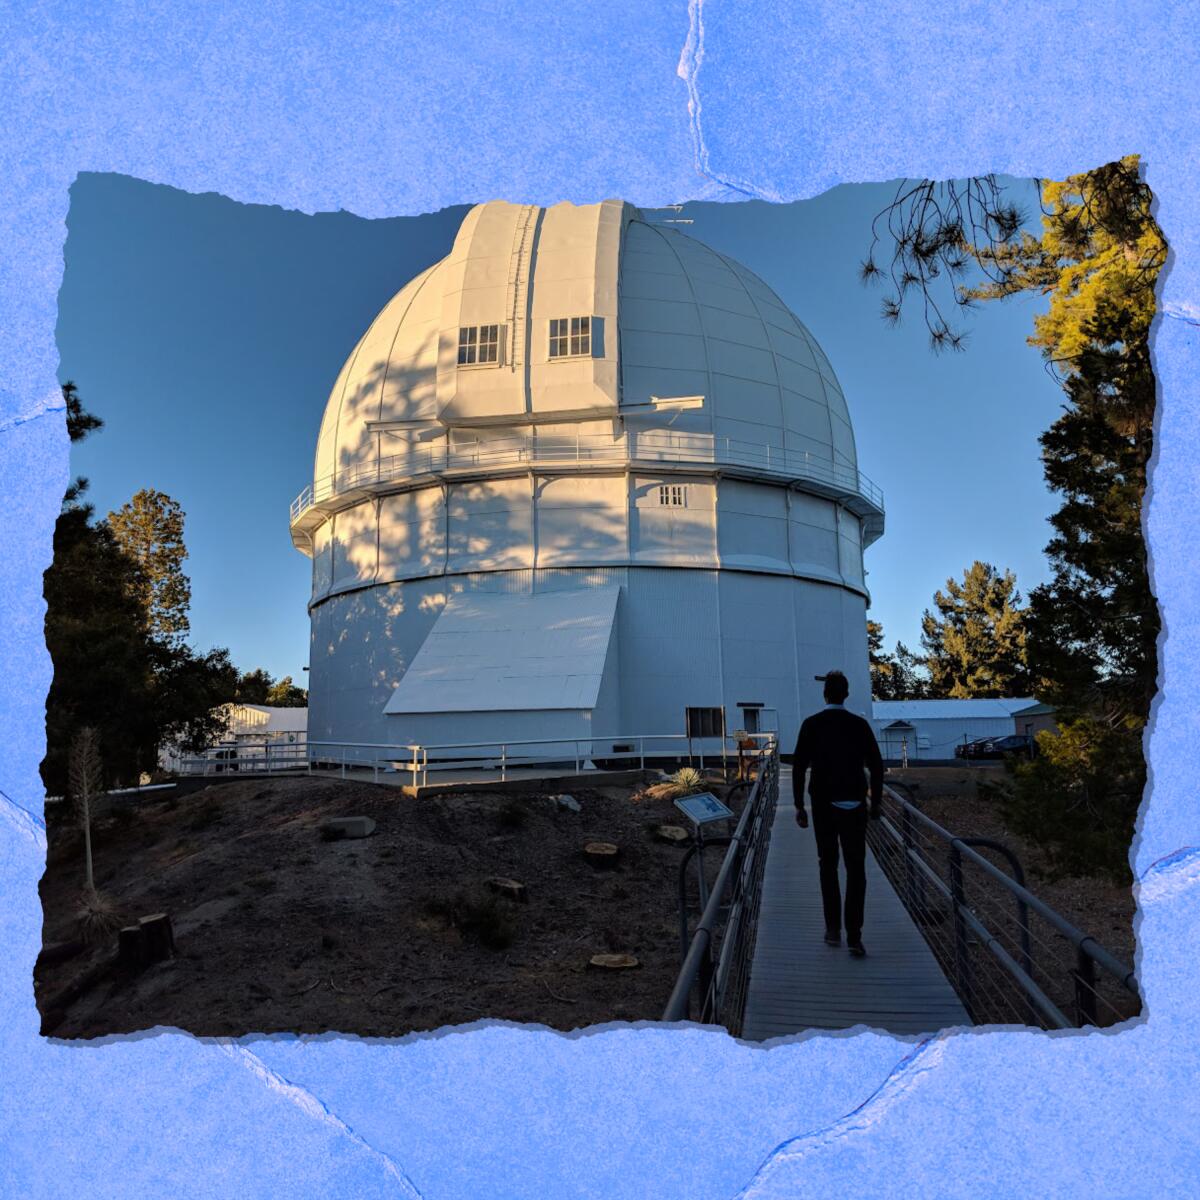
x=971, y=749
x=1017, y=745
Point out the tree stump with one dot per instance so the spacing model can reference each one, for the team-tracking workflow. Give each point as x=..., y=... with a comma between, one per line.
x=601, y=854
x=509, y=888
x=159, y=937
x=131, y=947
x=613, y=962
x=671, y=833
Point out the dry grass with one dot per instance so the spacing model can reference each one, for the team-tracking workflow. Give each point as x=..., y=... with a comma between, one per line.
x=684, y=782
x=97, y=917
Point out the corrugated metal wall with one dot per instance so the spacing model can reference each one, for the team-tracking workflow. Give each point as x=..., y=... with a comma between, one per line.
x=684, y=638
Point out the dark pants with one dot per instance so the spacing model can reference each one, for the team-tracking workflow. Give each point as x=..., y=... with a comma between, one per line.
x=848, y=827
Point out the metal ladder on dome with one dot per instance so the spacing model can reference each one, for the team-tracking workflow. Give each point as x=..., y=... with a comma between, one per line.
x=518, y=286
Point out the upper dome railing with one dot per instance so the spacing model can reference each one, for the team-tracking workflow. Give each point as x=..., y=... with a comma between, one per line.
x=582, y=450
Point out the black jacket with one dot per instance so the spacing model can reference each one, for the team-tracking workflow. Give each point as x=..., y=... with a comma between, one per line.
x=838, y=746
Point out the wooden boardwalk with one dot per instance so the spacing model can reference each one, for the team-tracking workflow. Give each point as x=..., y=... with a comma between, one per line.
x=797, y=982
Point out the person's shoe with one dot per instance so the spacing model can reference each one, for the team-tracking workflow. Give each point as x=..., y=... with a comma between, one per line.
x=832, y=937
x=856, y=948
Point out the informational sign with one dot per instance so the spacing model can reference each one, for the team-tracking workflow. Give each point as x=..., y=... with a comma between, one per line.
x=702, y=808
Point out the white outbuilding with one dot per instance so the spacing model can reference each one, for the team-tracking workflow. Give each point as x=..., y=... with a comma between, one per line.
x=581, y=475
x=931, y=729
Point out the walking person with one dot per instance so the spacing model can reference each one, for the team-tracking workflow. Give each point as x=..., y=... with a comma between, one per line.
x=840, y=749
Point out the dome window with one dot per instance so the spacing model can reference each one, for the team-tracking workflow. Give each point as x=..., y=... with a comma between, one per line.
x=571, y=337
x=478, y=345
x=672, y=495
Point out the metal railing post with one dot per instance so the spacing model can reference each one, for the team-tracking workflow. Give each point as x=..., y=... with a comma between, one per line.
x=1084, y=977
x=910, y=871
x=641, y=754
x=706, y=982
x=503, y=764
x=962, y=963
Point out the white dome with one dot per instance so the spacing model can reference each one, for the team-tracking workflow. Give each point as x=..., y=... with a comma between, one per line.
x=578, y=476
x=670, y=317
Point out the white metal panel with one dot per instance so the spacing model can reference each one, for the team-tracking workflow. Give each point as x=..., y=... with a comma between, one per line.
x=575, y=274
x=670, y=647
x=477, y=289
x=687, y=535
x=412, y=534
x=752, y=526
x=582, y=519
x=355, y=544
x=511, y=653
x=491, y=525
x=322, y=561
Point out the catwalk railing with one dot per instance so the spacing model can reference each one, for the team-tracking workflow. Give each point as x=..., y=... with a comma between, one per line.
x=581, y=450
x=497, y=759
x=1011, y=957
x=711, y=986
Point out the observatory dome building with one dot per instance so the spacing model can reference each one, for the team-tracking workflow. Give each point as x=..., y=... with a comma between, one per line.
x=581, y=475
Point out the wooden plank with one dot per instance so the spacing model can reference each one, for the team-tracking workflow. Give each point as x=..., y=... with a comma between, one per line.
x=797, y=982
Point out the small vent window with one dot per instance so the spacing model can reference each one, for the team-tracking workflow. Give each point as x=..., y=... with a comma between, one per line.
x=705, y=722
x=478, y=344
x=571, y=337
x=672, y=495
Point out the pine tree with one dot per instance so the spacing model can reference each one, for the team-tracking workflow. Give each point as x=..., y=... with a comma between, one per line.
x=111, y=672
x=80, y=423
x=285, y=694
x=881, y=665
x=149, y=529
x=1092, y=630
x=254, y=687
x=975, y=643
x=1094, y=626
x=900, y=675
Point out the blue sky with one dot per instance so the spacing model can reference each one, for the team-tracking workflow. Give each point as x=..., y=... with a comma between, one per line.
x=207, y=335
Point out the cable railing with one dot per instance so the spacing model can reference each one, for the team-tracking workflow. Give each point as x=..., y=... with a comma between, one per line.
x=580, y=450
x=480, y=760
x=1011, y=958
x=713, y=981
x=257, y=757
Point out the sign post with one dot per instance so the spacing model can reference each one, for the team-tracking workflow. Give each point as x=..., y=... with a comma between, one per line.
x=702, y=809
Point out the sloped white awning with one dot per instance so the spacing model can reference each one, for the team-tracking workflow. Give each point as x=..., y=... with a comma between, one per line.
x=507, y=653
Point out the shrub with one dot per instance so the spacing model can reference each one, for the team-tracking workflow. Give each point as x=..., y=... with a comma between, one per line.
x=513, y=815
x=97, y=917
x=1079, y=798
x=687, y=780
x=684, y=782
x=479, y=916
x=208, y=814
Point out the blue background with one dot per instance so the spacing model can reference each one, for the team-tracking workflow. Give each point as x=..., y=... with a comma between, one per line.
x=406, y=108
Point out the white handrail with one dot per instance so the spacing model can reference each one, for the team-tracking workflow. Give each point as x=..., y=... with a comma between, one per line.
x=665, y=446
x=415, y=757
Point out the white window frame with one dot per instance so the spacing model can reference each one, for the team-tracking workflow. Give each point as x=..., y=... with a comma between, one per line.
x=570, y=337
x=672, y=495
x=480, y=345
